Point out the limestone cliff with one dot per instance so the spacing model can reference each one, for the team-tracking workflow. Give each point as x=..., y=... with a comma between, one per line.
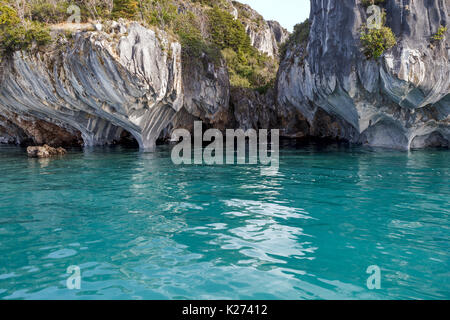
x=401, y=100
x=266, y=36
x=100, y=84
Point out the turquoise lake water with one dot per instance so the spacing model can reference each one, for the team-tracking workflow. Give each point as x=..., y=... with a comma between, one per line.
x=140, y=227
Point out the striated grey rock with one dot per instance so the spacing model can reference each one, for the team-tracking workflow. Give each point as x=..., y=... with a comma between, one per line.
x=266, y=36
x=252, y=110
x=206, y=87
x=100, y=85
x=280, y=33
x=117, y=79
x=400, y=101
x=123, y=79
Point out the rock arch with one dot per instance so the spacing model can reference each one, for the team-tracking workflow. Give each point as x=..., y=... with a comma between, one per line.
x=434, y=139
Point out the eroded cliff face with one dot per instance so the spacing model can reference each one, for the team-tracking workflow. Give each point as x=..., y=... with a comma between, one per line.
x=106, y=83
x=206, y=96
x=123, y=79
x=102, y=84
x=266, y=36
x=400, y=101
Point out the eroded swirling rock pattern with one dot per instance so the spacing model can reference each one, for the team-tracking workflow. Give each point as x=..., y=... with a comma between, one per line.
x=99, y=85
x=401, y=101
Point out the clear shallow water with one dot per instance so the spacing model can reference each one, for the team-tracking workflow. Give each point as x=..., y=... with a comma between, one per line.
x=141, y=228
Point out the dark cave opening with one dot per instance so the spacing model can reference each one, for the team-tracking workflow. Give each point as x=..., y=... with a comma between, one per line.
x=127, y=140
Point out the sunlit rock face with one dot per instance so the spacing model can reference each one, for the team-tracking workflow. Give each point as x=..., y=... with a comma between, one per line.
x=280, y=33
x=266, y=36
x=400, y=101
x=104, y=85
x=252, y=110
x=100, y=84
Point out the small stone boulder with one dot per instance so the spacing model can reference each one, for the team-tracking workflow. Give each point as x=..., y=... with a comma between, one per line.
x=45, y=152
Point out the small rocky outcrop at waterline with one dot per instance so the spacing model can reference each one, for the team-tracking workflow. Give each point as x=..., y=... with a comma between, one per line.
x=401, y=100
x=45, y=152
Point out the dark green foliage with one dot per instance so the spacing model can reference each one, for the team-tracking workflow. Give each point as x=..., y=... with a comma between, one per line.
x=227, y=32
x=187, y=28
x=160, y=13
x=247, y=67
x=300, y=36
x=375, y=41
x=127, y=9
x=17, y=34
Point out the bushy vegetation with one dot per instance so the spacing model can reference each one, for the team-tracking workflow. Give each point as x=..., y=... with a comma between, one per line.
x=300, y=36
x=55, y=11
x=439, y=35
x=376, y=41
x=187, y=28
x=24, y=24
x=226, y=32
x=247, y=67
x=18, y=33
x=226, y=37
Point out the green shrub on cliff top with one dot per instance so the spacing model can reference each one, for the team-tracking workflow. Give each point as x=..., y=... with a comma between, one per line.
x=187, y=27
x=300, y=36
x=160, y=13
x=227, y=32
x=17, y=34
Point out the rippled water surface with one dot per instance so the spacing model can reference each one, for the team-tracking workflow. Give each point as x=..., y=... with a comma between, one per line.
x=141, y=228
